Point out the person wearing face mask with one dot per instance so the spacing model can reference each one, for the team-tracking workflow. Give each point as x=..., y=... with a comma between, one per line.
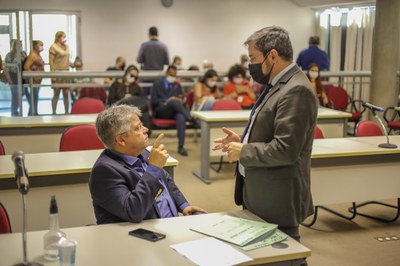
x=238, y=87
x=206, y=91
x=166, y=101
x=34, y=62
x=313, y=75
x=274, y=153
x=127, y=91
x=59, y=59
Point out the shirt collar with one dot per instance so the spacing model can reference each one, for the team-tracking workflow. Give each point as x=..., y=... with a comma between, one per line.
x=283, y=72
x=131, y=160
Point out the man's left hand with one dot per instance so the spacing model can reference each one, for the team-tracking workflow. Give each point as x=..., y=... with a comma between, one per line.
x=234, y=149
x=190, y=210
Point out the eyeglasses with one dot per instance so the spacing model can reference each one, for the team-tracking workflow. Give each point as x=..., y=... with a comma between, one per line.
x=138, y=128
x=251, y=61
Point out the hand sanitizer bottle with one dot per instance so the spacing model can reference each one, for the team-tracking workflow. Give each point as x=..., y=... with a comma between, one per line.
x=51, y=238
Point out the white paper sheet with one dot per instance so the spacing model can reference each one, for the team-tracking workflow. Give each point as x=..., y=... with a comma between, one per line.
x=209, y=252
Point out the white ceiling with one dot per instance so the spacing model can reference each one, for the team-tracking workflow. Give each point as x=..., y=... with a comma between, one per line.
x=321, y=3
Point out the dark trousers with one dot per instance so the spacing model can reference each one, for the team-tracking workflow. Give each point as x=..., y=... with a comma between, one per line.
x=27, y=93
x=174, y=109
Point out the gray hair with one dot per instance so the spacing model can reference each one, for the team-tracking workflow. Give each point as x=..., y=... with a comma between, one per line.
x=272, y=37
x=114, y=121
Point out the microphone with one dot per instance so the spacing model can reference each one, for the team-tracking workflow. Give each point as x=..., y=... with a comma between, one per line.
x=373, y=107
x=21, y=175
x=397, y=108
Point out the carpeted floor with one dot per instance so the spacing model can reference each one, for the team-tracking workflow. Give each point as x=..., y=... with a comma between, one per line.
x=333, y=241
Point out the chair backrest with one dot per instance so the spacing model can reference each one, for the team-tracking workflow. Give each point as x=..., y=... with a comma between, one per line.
x=367, y=129
x=97, y=93
x=338, y=97
x=81, y=137
x=87, y=106
x=190, y=99
x=2, y=150
x=5, y=225
x=226, y=105
x=318, y=134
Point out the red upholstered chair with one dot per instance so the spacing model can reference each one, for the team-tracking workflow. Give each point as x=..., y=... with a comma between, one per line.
x=368, y=129
x=5, y=225
x=318, y=134
x=226, y=105
x=190, y=99
x=81, y=137
x=2, y=150
x=87, y=106
x=220, y=106
x=97, y=93
x=392, y=118
x=340, y=100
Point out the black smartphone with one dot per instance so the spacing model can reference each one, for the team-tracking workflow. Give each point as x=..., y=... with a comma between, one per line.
x=147, y=234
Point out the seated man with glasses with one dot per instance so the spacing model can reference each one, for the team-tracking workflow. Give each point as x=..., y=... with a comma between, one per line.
x=128, y=183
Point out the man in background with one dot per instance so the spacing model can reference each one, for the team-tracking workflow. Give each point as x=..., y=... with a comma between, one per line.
x=313, y=55
x=167, y=103
x=153, y=54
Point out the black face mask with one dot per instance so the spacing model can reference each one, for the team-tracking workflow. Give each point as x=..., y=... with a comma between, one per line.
x=257, y=74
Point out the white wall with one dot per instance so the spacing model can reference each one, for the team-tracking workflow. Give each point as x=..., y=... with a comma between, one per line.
x=193, y=29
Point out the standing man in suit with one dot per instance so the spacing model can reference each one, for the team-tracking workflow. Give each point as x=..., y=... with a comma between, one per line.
x=128, y=183
x=274, y=154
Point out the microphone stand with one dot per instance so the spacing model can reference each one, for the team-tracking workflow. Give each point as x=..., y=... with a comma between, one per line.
x=24, y=225
x=386, y=145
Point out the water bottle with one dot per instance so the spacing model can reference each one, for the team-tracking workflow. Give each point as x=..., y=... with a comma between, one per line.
x=51, y=238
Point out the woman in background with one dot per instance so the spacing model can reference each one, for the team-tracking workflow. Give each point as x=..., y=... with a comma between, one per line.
x=59, y=61
x=238, y=87
x=34, y=62
x=206, y=91
x=13, y=72
x=314, y=76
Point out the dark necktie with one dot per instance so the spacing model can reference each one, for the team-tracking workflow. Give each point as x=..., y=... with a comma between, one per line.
x=258, y=102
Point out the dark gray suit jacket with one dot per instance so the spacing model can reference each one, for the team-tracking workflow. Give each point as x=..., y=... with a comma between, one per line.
x=120, y=194
x=278, y=154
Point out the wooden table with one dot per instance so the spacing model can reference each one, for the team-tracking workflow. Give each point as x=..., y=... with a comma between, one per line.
x=38, y=133
x=64, y=174
x=111, y=245
x=335, y=123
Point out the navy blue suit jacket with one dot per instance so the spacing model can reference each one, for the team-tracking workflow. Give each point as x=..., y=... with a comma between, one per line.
x=160, y=94
x=120, y=194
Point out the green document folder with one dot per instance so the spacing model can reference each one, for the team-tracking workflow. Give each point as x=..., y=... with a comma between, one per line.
x=241, y=232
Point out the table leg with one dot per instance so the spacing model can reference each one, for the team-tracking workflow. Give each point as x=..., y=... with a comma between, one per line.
x=204, y=174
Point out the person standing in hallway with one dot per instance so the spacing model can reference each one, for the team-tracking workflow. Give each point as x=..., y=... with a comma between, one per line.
x=59, y=59
x=313, y=54
x=274, y=155
x=153, y=54
x=34, y=62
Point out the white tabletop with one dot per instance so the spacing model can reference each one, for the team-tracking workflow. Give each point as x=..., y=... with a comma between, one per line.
x=52, y=163
x=111, y=245
x=47, y=121
x=357, y=146
x=238, y=115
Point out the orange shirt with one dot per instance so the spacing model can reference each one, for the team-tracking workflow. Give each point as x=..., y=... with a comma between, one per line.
x=205, y=91
x=243, y=98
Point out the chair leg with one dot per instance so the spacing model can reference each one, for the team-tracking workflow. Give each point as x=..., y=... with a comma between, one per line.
x=219, y=164
x=354, y=214
x=354, y=209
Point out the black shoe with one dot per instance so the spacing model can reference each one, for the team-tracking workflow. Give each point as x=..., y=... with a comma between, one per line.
x=182, y=151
